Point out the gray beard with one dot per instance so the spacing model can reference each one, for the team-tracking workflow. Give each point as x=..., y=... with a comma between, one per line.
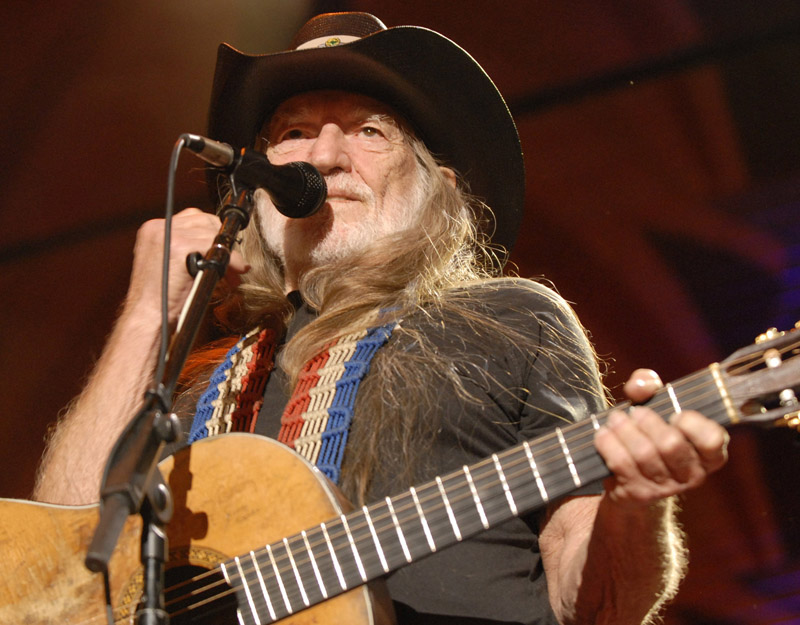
x=324, y=245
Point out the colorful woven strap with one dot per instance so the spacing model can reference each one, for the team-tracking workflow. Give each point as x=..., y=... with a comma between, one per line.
x=317, y=418
x=235, y=392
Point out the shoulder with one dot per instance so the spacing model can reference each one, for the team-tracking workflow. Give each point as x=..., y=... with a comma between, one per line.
x=519, y=299
x=533, y=313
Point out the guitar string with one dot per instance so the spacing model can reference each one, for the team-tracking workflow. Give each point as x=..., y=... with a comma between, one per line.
x=487, y=503
x=348, y=567
x=497, y=500
x=501, y=496
x=479, y=476
x=285, y=569
x=554, y=447
x=294, y=599
x=700, y=373
x=480, y=465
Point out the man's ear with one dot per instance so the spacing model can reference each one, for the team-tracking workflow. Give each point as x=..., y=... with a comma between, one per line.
x=449, y=174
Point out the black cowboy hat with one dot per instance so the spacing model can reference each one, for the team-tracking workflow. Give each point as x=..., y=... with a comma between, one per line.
x=450, y=102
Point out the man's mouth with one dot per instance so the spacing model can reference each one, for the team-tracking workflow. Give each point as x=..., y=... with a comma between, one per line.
x=342, y=196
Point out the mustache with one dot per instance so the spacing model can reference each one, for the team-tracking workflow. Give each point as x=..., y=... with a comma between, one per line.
x=342, y=185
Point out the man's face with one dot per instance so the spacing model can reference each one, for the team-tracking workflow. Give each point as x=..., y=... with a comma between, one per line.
x=372, y=176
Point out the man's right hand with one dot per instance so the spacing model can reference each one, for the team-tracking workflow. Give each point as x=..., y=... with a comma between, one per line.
x=192, y=231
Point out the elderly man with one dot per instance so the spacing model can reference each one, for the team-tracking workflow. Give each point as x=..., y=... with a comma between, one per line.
x=446, y=363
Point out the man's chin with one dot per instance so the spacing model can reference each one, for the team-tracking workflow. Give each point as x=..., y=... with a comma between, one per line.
x=334, y=252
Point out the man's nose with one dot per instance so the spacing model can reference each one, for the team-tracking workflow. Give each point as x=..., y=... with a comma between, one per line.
x=329, y=151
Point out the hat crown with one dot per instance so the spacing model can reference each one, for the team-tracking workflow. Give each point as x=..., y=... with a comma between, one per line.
x=350, y=24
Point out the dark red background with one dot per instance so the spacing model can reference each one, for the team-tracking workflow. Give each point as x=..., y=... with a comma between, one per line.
x=664, y=205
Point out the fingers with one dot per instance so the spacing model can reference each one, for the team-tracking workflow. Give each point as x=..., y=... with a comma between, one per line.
x=642, y=384
x=651, y=459
x=709, y=439
x=192, y=231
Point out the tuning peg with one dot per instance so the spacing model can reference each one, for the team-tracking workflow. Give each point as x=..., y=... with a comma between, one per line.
x=791, y=420
x=770, y=334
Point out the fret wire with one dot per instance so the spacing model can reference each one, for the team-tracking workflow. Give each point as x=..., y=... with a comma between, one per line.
x=536, y=475
x=333, y=557
x=414, y=520
x=512, y=505
x=403, y=547
x=303, y=594
x=400, y=534
x=279, y=579
x=227, y=577
x=301, y=564
x=246, y=586
x=424, y=520
x=568, y=456
x=313, y=560
x=377, y=542
x=450, y=514
x=353, y=547
x=676, y=407
x=476, y=499
x=264, y=591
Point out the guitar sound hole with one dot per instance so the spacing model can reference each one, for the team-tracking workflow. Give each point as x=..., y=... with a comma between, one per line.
x=197, y=596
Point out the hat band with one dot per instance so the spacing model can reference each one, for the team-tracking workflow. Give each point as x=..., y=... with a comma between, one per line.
x=328, y=41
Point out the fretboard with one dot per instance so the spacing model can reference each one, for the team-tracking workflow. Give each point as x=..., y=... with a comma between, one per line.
x=321, y=562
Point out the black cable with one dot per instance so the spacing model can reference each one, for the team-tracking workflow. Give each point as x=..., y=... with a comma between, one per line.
x=169, y=210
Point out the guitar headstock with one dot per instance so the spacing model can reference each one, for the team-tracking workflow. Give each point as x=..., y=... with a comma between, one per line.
x=763, y=379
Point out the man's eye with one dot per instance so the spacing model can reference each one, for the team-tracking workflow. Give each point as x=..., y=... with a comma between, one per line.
x=291, y=134
x=371, y=131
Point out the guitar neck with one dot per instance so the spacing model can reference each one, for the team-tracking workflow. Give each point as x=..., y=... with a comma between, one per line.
x=324, y=561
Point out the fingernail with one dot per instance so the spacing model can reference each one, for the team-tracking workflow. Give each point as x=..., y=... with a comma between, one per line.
x=649, y=384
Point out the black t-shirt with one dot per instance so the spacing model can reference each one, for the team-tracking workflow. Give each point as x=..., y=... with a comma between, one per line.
x=495, y=577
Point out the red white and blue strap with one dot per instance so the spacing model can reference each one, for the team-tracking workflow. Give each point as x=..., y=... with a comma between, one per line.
x=235, y=392
x=317, y=418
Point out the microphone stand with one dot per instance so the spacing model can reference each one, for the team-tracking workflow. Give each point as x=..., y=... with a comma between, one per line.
x=132, y=482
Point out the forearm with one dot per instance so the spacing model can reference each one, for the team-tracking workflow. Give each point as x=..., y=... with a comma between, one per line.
x=625, y=569
x=73, y=463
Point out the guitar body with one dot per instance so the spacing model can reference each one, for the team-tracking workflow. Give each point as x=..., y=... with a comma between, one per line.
x=232, y=493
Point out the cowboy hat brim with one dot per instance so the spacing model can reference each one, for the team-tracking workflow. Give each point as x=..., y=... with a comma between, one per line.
x=450, y=102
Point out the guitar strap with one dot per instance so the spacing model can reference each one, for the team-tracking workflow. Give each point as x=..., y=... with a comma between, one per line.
x=317, y=418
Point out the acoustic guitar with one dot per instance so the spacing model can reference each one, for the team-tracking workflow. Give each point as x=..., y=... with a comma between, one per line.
x=240, y=500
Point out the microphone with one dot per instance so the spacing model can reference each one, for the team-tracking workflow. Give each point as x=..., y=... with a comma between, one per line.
x=296, y=189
